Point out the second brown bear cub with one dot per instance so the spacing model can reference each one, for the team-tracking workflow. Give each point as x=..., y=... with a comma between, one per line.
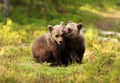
x=74, y=43
x=47, y=48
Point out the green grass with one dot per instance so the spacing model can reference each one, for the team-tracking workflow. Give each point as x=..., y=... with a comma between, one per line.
x=100, y=63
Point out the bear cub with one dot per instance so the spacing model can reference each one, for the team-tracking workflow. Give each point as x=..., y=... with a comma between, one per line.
x=47, y=48
x=74, y=43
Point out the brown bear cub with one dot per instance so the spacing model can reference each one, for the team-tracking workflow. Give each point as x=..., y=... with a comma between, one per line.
x=47, y=48
x=74, y=43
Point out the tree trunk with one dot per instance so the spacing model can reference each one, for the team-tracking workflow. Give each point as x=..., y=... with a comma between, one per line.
x=1, y=1
x=6, y=11
x=30, y=5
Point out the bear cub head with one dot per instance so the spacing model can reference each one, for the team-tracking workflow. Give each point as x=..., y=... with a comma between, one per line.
x=72, y=29
x=57, y=33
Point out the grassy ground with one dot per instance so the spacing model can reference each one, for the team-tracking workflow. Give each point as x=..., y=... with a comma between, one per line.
x=100, y=63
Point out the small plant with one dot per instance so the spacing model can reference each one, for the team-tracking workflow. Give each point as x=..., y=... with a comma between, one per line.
x=8, y=35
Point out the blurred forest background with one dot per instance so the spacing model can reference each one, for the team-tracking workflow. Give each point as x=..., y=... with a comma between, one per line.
x=22, y=21
x=103, y=14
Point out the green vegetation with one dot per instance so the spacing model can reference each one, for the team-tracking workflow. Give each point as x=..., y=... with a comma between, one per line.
x=18, y=32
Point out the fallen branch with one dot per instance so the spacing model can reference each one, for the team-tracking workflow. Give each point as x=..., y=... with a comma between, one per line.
x=110, y=33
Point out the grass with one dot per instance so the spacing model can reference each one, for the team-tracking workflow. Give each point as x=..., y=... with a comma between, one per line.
x=100, y=63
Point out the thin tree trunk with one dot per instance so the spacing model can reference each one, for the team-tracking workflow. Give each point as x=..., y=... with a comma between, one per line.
x=29, y=7
x=1, y=1
x=6, y=11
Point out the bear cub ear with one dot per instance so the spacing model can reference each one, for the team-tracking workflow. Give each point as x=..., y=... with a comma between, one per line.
x=50, y=27
x=70, y=21
x=79, y=26
x=62, y=23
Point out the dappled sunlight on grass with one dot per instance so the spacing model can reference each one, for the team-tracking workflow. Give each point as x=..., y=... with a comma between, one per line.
x=105, y=19
x=13, y=34
x=110, y=12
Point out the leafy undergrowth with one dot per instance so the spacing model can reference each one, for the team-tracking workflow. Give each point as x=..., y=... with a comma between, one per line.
x=100, y=63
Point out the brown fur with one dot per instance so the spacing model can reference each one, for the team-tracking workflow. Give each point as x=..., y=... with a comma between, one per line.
x=74, y=43
x=47, y=48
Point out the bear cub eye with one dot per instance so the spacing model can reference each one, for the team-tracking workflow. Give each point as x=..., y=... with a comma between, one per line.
x=56, y=35
x=69, y=29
